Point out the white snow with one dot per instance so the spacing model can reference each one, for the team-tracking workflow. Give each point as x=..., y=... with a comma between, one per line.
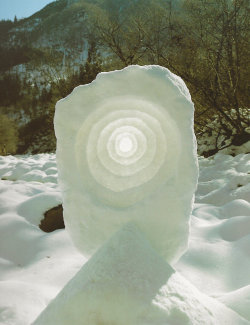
x=230, y=179
x=127, y=282
x=29, y=258
x=215, y=270
x=126, y=151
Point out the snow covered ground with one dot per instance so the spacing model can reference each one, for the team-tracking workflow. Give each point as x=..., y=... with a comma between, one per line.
x=35, y=266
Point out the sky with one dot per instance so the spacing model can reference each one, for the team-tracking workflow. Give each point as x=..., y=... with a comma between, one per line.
x=20, y=8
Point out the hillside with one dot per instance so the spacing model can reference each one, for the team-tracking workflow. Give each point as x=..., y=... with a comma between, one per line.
x=43, y=57
x=44, y=41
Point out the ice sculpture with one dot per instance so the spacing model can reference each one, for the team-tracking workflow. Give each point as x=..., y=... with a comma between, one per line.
x=126, y=151
x=127, y=166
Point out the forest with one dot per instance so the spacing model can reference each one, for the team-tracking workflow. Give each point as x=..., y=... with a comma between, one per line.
x=204, y=42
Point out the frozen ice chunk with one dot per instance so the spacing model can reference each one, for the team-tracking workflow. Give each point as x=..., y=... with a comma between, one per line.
x=126, y=151
x=127, y=282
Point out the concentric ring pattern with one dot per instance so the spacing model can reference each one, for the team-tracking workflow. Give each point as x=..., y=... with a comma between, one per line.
x=126, y=146
x=126, y=153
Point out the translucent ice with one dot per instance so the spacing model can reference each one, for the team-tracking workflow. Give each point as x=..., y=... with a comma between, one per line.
x=126, y=151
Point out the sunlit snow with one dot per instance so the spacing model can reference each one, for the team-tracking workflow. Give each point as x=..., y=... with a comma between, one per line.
x=35, y=266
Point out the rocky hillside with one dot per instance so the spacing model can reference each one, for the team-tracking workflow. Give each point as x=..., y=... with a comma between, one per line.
x=56, y=38
x=47, y=43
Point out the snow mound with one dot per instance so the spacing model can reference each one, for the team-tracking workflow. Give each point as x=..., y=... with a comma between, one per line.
x=221, y=263
x=30, y=258
x=236, y=228
x=39, y=168
x=141, y=289
x=238, y=300
x=35, y=266
x=126, y=151
x=33, y=208
x=223, y=179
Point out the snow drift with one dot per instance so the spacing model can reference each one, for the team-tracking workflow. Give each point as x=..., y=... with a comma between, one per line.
x=127, y=282
x=35, y=266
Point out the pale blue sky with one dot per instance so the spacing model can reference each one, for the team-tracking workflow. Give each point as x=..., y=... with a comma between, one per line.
x=20, y=8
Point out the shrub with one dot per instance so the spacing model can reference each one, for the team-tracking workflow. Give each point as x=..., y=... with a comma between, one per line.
x=8, y=135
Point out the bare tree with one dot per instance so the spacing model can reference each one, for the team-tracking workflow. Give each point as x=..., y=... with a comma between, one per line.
x=216, y=73
x=119, y=32
x=204, y=42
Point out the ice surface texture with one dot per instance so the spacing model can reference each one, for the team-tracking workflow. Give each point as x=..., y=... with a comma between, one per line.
x=126, y=151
